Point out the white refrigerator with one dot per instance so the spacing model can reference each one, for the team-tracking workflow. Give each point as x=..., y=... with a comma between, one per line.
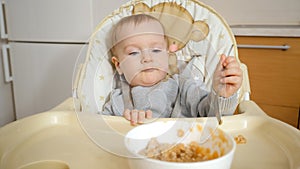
x=42, y=40
x=6, y=96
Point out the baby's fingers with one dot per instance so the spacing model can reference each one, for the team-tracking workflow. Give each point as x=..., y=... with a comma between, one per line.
x=233, y=71
x=233, y=80
x=229, y=60
x=134, y=117
x=137, y=117
x=131, y=116
x=221, y=63
x=127, y=114
x=148, y=114
x=141, y=116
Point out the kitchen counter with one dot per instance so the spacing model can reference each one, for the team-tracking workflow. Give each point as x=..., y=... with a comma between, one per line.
x=266, y=30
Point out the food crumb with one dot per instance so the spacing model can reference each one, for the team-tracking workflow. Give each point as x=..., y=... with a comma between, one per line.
x=180, y=133
x=240, y=139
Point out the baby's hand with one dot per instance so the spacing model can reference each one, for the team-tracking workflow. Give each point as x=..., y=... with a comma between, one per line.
x=137, y=116
x=228, y=76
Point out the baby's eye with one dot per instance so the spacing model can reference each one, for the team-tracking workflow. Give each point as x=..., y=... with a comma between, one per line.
x=134, y=53
x=156, y=50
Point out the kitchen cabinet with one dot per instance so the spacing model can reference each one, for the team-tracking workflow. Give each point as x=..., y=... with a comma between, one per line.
x=274, y=74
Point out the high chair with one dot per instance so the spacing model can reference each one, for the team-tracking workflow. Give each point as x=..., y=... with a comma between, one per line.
x=97, y=71
x=68, y=136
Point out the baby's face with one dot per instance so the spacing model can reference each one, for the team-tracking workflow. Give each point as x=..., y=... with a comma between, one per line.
x=142, y=58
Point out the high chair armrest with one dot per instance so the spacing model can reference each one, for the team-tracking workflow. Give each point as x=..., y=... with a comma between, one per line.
x=66, y=105
x=245, y=88
x=249, y=107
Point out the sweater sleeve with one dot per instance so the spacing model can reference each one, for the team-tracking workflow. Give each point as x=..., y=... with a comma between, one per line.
x=115, y=106
x=197, y=101
x=216, y=103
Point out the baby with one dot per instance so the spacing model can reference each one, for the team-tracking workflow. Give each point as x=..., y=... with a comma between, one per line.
x=140, y=56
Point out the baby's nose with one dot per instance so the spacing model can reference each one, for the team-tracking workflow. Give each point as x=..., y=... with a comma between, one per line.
x=146, y=56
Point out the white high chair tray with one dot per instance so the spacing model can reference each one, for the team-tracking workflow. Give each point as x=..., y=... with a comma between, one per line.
x=55, y=140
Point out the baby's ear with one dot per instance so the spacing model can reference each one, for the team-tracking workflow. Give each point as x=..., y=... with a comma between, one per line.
x=116, y=62
x=173, y=48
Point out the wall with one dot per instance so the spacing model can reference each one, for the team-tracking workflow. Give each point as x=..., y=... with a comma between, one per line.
x=258, y=12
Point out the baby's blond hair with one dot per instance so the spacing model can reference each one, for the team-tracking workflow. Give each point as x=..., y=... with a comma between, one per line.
x=134, y=19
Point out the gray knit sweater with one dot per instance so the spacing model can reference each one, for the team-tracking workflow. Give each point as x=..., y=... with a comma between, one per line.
x=175, y=97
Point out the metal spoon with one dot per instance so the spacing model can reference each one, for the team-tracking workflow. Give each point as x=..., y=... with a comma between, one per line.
x=219, y=114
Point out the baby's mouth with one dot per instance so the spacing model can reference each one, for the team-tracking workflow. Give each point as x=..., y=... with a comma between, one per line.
x=149, y=70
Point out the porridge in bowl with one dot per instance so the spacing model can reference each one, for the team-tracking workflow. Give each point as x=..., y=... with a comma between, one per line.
x=180, y=152
x=176, y=145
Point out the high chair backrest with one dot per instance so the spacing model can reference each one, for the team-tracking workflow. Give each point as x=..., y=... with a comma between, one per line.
x=207, y=39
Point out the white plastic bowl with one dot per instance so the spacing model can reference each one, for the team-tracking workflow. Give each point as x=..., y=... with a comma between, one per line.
x=167, y=132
